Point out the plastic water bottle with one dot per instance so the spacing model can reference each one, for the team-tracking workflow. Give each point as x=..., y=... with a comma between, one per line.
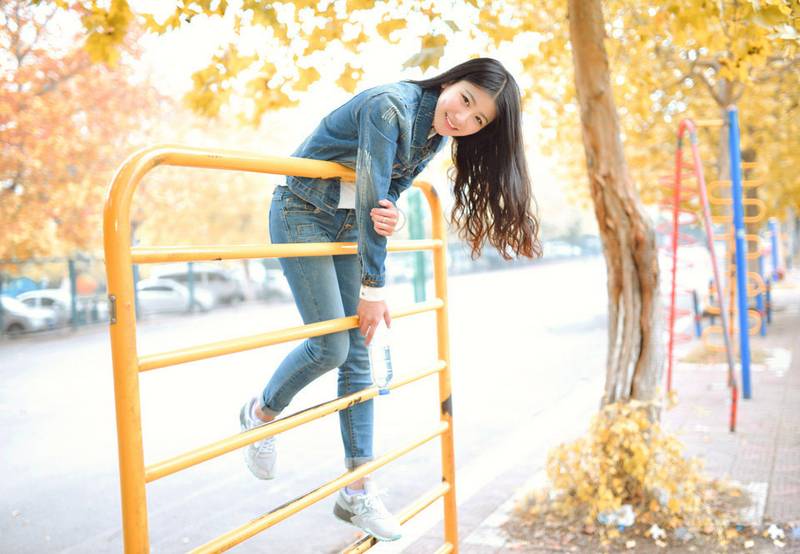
x=380, y=358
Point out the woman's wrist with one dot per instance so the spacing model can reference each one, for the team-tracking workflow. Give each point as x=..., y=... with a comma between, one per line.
x=372, y=294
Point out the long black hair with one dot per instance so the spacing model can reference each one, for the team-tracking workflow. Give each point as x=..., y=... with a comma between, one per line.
x=493, y=197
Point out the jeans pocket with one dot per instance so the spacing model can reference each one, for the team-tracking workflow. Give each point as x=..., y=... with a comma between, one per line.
x=294, y=204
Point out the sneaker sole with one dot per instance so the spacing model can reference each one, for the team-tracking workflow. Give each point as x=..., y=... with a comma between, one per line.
x=343, y=515
x=256, y=473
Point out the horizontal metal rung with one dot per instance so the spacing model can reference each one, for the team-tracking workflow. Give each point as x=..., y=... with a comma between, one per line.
x=266, y=521
x=209, y=451
x=166, y=254
x=709, y=122
x=210, y=350
x=446, y=548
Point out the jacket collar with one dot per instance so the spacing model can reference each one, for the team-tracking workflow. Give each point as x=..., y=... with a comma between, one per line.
x=424, y=119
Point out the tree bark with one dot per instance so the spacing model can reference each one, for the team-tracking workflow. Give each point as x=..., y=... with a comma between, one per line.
x=635, y=357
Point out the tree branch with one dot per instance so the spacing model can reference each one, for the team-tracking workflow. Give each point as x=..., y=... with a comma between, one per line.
x=21, y=55
x=737, y=91
x=717, y=98
x=778, y=71
x=52, y=84
x=707, y=62
x=688, y=75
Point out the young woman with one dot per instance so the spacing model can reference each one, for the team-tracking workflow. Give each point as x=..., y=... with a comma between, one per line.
x=388, y=134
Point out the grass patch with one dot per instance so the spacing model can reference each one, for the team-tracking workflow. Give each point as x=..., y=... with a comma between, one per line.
x=701, y=354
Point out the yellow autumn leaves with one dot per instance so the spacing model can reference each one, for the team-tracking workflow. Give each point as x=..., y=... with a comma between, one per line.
x=625, y=458
x=626, y=472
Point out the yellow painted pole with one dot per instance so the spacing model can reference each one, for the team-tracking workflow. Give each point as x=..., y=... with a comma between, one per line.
x=116, y=239
x=185, y=156
x=443, y=345
x=168, y=254
x=232, y=346
x=127, y=364
x=117, y=246
x=709, y=122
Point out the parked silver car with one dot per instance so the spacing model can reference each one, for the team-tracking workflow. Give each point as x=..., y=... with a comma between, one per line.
x=218, y=281
x=89, y=308
x=19, y=318
x=166, y=295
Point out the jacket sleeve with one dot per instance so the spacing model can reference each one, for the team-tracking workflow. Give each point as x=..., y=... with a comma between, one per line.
x=378, y=133
x=400, y=184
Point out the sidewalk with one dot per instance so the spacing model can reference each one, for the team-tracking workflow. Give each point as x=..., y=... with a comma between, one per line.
x=765, y=449
x=763, y=454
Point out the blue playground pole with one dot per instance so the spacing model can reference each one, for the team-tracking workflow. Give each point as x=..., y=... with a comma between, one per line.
x=760, y=299
x=769, y=302
x=773, y=232
x=698, y=316
x=741, y=262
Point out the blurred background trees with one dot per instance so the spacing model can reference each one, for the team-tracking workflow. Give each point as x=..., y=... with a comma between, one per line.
x=64, y=124
x=664, y=62
x=667, y=61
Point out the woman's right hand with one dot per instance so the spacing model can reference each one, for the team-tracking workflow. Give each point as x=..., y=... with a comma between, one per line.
x=369, y=315
x=385, y=218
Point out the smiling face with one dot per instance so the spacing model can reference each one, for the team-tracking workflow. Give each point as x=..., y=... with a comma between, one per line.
x=463, y=109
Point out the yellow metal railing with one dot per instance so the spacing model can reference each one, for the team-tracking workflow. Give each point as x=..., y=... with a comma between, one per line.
x=718, y=196
x=128, y=364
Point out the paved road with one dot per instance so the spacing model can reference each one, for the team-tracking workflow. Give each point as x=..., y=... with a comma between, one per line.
x=521, y=341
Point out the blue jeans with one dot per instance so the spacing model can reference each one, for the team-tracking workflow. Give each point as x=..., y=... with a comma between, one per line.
x=324, y=287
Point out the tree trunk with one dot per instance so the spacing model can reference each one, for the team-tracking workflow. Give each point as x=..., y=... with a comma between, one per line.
x=635, y=358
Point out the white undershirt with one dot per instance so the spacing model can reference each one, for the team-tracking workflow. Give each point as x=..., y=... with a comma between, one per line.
x=347, y=195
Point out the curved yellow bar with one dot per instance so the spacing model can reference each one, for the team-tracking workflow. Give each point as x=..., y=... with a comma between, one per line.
x=755, y=284
x=443, y=347
x=754, y=322
x=707, y=333
x=754, y=218
x=127, y=364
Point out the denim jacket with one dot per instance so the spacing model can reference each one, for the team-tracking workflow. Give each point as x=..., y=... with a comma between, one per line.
x=381, y=133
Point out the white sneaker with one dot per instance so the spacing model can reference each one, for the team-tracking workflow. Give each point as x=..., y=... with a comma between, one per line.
x=367, y=512
x=260, y=456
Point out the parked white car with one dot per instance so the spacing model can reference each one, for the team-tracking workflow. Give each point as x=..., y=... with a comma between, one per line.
x=166, y=295
x=50, y=299
x=19, y=318
x=218, y=281
x=89, y=308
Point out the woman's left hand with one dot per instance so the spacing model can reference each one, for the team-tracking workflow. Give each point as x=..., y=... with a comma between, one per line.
x=384, y=219
x=369, y=316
